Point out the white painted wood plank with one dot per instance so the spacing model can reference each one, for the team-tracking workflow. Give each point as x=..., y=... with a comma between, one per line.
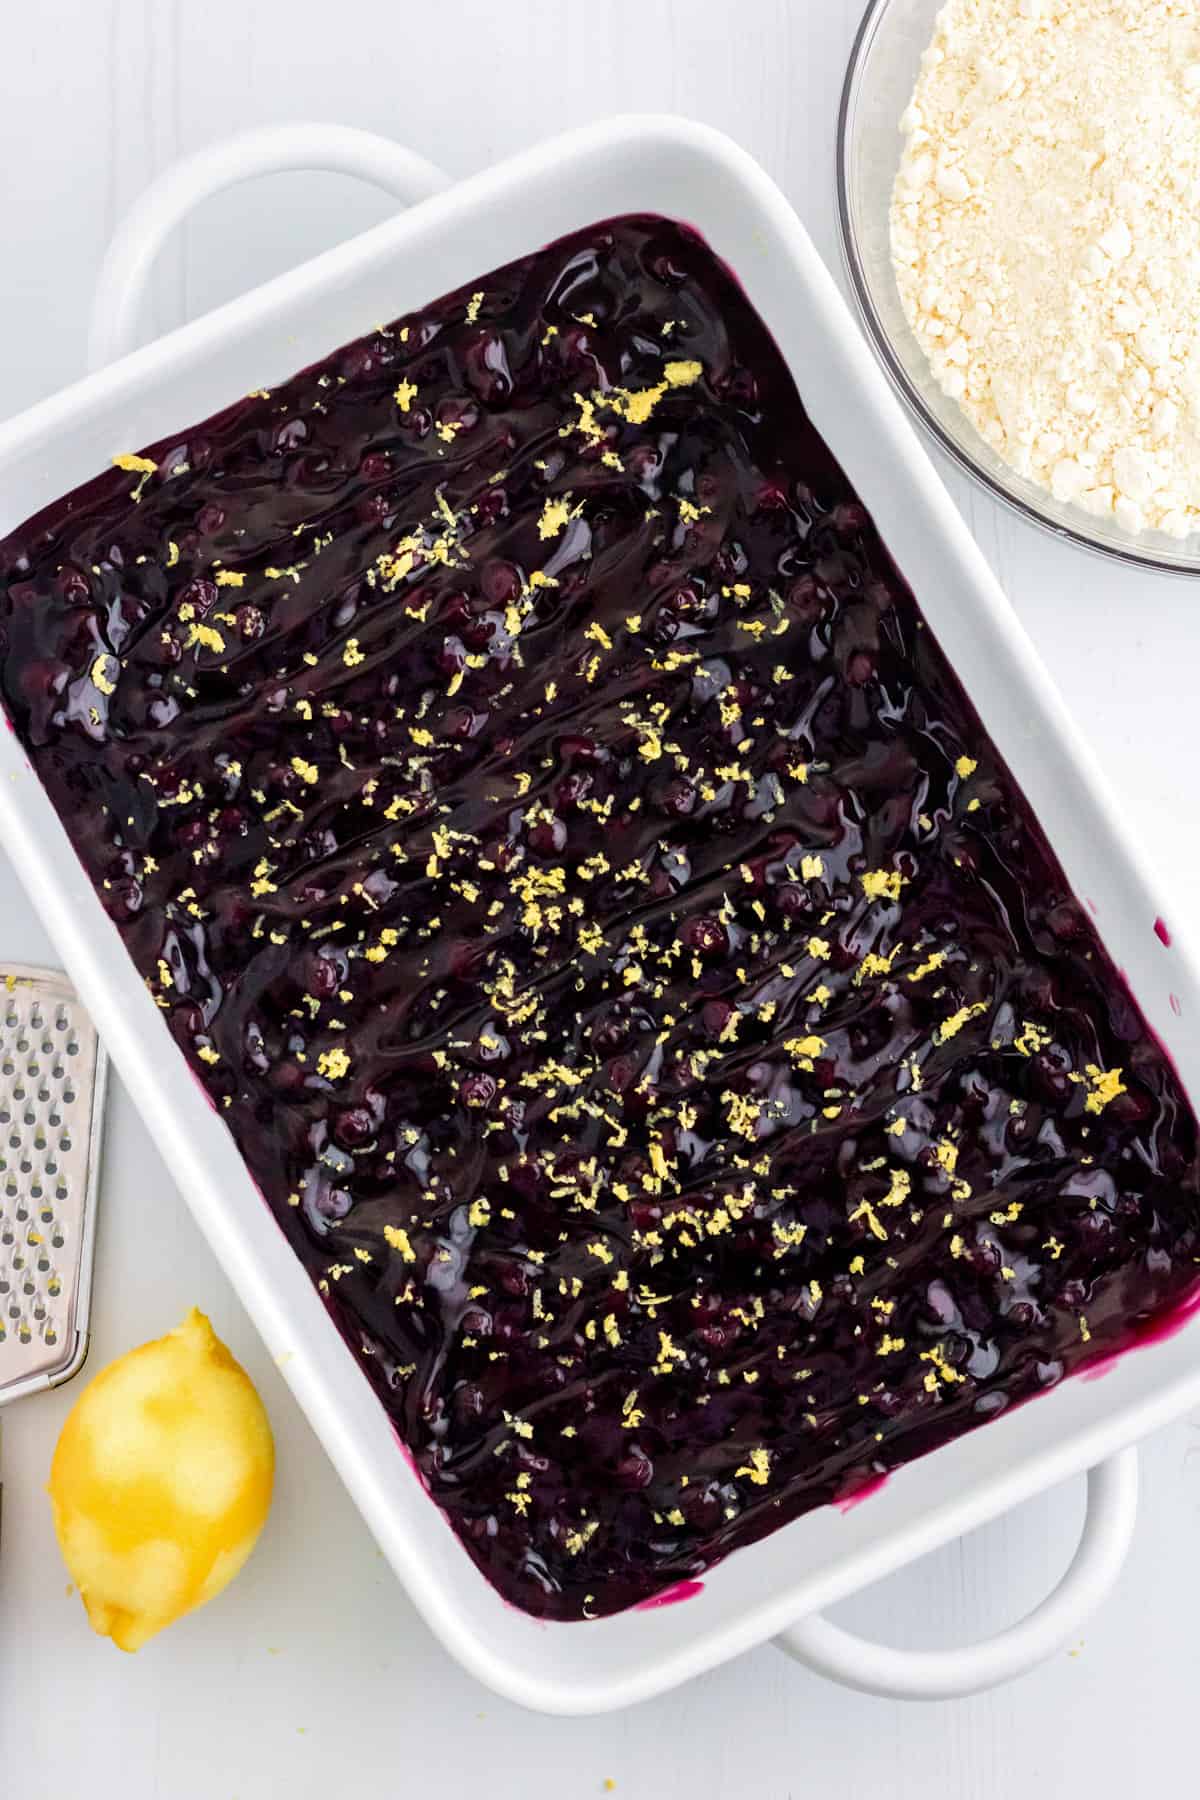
x=313, y=1666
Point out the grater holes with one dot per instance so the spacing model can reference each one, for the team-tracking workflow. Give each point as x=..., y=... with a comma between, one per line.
x=43, y=1050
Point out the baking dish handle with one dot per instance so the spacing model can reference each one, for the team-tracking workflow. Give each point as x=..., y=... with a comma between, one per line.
x=270, y=150
x=949, y=1674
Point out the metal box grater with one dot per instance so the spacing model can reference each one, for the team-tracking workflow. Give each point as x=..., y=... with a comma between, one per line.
x=52, y=1077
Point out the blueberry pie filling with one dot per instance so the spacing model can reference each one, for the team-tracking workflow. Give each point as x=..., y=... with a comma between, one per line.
x=634, y=980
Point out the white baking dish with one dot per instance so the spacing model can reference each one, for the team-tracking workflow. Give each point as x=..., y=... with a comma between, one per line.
x=775, y=1586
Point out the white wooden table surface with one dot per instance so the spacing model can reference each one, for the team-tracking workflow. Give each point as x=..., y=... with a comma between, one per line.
x=313, y=1670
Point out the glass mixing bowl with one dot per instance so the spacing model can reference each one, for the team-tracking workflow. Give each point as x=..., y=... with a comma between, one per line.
x=879, y=84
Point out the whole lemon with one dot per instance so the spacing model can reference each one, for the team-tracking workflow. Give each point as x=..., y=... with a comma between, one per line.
x=161, y=1482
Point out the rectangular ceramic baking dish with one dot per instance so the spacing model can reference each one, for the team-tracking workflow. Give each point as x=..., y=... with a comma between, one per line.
x=776, y=1586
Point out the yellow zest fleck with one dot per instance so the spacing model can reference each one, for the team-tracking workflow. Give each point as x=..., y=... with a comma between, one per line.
x=668, y=1354
x=1104, y=1085
x=683, y=374
x=899, y=1191
x=965, y=766
x=743, y=1114
x=554, y=517
x=135, y=465
x=208, y=638
x=941, y=1368
x=333, y=1064
x=928, y=966
x=398, y=1238
x=882, y=884
x=803, y=1049
x=953, y=1025
x=873, y=964
x=99, y=674
x=473, y=306
x=308, y=772
x=352, y=655
x=405, y=394
x=230, y=578
x=811, y=868
x=866, y=1211
x=1032, y=1039
x=757, y=1466
x=788, y=1237
x=207, y=1054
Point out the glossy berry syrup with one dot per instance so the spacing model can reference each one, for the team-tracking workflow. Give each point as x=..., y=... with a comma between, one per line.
x=631, y=975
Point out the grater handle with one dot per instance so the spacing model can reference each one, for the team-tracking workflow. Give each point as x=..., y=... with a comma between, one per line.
x=271, y=150
x=950, y=1674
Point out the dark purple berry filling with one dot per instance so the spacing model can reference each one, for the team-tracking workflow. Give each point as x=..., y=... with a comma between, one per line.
x=633, y=978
